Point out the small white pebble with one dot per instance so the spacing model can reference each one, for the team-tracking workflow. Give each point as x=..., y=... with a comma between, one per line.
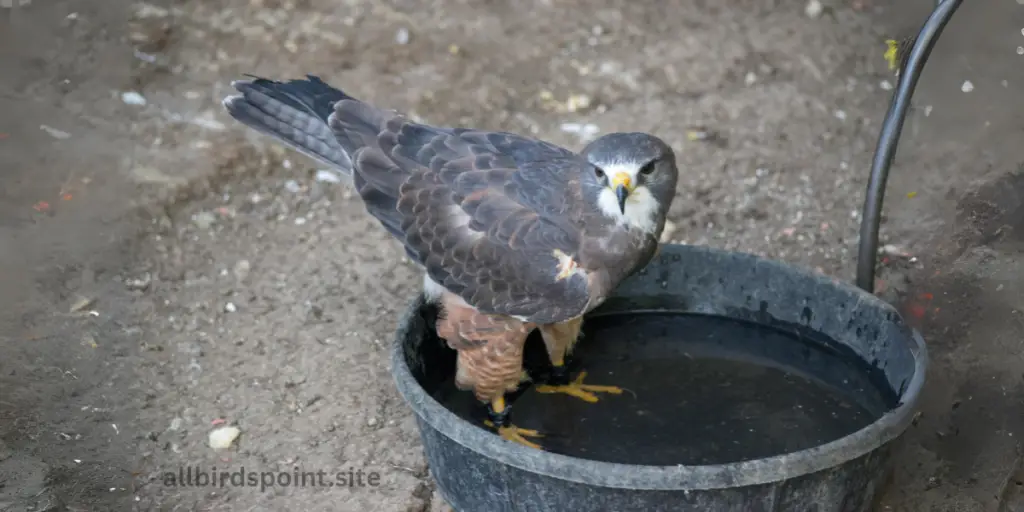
x=402, y=36
x=242, y=268
x=750, y=78
x=55, y=133
x=230, y=307
x=885, y=85
x=371, y=422
x=133, y=98
x=577, y=102
x=291, y=185
x=1020, y=50
x=300, y=221
x=223, y=437
x=840, y=115
x=326, y=176
x=145, y=57
x=77, y=461
x=585, y=132
x=813, y=9
x=967, y=86
x=176, y=424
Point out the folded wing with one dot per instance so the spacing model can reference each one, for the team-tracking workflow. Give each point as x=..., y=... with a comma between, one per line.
x=485, y=213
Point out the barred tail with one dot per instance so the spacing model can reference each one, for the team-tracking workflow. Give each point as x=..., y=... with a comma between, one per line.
x=294, y=112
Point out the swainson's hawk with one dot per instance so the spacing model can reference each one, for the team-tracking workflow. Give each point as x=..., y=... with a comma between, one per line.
x=514, y=233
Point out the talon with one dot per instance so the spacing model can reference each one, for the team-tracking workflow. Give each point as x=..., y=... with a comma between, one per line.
x=517, y=435
x=497, y=411
x=578, y=389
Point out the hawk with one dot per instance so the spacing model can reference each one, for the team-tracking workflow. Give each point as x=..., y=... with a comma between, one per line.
x=513, y=233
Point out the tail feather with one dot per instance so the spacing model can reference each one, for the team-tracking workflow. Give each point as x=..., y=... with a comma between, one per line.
x=294, y=112
x=331, y=126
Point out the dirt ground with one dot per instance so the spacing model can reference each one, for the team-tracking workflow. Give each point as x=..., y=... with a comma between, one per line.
x=164, y=270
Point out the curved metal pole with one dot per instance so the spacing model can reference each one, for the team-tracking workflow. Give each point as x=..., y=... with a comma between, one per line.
x=889, y=137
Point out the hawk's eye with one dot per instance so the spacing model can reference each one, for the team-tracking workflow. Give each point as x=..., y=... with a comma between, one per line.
x=599, y=173
x=648, y=168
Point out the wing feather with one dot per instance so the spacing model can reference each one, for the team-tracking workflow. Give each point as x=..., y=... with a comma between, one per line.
x=483, y=212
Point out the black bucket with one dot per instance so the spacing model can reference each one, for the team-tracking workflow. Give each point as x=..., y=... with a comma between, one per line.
x=477, y=471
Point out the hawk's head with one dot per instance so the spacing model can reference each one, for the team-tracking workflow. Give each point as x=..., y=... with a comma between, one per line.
x=632, y=178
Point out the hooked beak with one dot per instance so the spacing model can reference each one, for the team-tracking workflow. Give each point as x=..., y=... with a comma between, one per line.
x=623, y=185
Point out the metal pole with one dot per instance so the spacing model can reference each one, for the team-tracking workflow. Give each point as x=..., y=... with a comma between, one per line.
x=888, y=138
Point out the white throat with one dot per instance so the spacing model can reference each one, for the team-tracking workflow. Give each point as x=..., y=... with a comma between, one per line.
x=641, y=210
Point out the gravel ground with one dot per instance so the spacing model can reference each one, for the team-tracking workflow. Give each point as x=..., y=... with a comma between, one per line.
x=168, y=273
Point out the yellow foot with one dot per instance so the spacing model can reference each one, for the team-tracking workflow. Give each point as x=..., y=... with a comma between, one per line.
x=517, y=435
x=580, y=390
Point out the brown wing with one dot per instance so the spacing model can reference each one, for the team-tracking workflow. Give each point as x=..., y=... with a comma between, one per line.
x=483, y=212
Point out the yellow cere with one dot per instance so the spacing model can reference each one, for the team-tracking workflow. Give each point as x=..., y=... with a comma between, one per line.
x=624, y=180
